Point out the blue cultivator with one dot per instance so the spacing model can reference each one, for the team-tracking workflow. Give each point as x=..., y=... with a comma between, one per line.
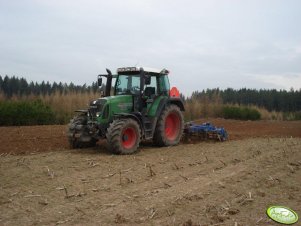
x=205, y=131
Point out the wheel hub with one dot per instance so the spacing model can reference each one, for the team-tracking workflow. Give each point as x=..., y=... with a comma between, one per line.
x=129, y=138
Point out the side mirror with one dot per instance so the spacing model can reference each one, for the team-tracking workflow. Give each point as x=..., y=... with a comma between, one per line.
x=99, y=81
x=147, y=80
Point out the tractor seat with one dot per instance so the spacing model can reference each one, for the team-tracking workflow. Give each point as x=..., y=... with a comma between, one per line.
x=150, y=92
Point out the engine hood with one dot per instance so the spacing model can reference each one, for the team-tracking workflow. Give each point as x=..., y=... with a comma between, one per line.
x=120, y=104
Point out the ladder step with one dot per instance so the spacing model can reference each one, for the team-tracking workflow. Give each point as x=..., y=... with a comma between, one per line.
x=148, y=128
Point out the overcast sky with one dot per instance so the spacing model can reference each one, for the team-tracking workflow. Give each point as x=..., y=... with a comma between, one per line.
x=205, y=44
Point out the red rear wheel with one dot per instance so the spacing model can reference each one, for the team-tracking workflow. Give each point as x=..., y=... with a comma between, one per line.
x=129, y=138
x=172, y=126
x=169, y=128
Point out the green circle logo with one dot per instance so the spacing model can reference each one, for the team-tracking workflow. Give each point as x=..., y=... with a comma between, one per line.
x=282, y=214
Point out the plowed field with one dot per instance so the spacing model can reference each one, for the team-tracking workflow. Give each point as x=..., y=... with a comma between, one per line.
x=42, y=182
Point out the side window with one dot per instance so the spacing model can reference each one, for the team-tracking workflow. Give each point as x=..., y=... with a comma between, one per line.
x=164, y=85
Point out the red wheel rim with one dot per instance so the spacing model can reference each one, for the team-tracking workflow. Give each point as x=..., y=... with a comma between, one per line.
x=172, y=126
x=129, y=138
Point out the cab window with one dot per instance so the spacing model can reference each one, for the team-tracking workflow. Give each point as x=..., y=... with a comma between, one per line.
x=164, y=85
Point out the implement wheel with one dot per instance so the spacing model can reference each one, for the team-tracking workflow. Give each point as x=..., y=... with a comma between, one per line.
x=170, y=127
x=123, y=136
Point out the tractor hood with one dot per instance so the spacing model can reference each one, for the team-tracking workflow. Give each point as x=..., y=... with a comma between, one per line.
x=111, y=105
x=120, y=104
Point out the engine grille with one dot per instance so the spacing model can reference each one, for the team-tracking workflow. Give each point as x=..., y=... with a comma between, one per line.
x=96, y=106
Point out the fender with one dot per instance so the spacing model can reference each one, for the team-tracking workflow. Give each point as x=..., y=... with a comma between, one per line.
x=137, y=117
x=165, y=101
x=178, y=102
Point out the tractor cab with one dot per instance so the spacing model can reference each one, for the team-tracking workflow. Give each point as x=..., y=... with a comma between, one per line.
x=143, y=81
x=144, y=84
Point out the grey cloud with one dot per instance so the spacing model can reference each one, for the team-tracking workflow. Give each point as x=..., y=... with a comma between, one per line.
x=205, y=44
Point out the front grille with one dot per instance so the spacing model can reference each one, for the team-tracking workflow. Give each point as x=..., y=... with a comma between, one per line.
x=96, y=106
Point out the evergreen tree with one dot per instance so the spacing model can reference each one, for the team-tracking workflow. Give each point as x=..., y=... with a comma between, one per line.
x=278, y=100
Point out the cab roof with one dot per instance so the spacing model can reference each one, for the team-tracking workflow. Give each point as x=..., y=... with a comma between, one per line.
x=124, y=70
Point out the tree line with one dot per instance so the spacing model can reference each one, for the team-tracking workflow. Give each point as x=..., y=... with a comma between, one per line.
x=271, y=99
x=14, y=86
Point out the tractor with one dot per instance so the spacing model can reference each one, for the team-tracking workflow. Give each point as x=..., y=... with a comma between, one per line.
x=140, y=106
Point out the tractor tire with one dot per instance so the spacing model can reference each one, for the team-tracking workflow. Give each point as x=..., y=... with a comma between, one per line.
x=170, y=126
x=78, y=133
x=123, y=136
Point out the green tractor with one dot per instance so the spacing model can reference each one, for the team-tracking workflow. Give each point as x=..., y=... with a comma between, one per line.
x=142, y=107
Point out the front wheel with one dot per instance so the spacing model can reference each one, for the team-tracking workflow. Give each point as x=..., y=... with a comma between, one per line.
x=78, y=133
x=123, y=136
x=170, y=126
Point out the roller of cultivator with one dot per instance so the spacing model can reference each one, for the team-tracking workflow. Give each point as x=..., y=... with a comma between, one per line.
x=205, y=131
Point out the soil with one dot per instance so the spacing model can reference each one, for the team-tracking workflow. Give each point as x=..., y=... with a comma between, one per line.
x=43, y=182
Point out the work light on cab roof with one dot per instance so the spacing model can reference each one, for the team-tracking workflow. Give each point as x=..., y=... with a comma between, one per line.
x=145, y=69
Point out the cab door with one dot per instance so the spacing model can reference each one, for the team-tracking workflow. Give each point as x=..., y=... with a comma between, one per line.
x=150, y=93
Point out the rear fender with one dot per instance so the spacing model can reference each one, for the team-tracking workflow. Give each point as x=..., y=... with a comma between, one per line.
x=178, y=102
x=164, y=102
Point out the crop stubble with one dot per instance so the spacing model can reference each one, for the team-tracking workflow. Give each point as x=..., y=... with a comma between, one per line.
x=207, y=183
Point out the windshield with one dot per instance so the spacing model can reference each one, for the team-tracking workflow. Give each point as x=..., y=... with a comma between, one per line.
x=127, y=84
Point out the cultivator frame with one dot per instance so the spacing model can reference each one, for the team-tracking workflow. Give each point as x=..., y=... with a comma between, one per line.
x=205, y=131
